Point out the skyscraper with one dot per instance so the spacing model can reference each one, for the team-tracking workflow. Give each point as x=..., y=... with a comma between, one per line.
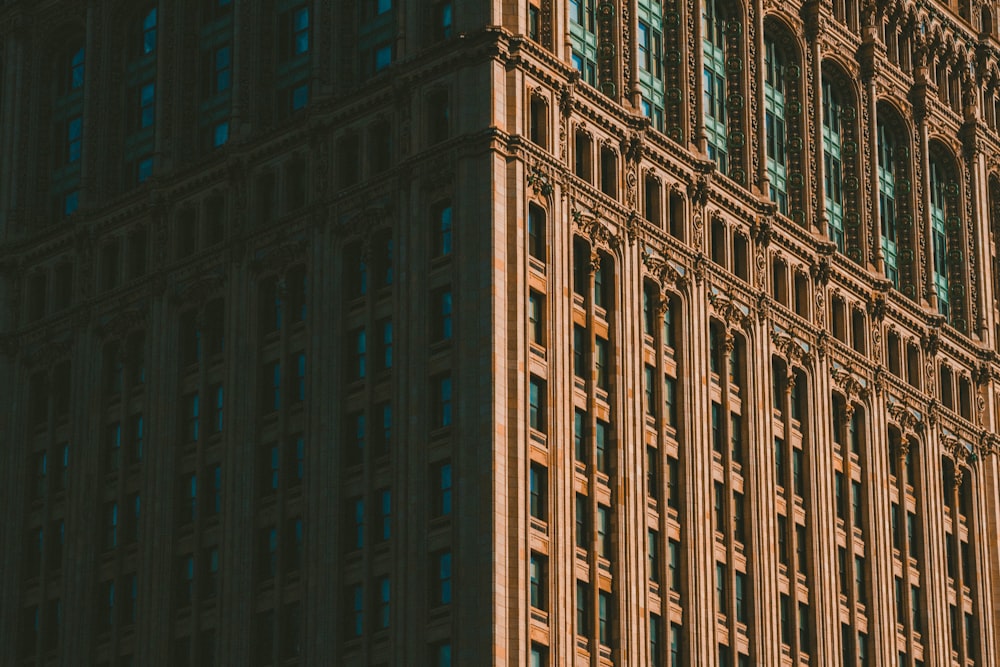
x=446, y=333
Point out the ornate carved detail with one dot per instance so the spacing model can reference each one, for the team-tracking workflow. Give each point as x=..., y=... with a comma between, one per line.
x=47, y=352
x=199, y=289
x=699, y=268
x=791, y=349
x=957, y=452
x=663, y=270
x=121, y=324
x=280, y=259
x=540, y=181
x=851, y=386
x=606, y=52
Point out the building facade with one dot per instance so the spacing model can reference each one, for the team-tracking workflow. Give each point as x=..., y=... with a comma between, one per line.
x=614, y=332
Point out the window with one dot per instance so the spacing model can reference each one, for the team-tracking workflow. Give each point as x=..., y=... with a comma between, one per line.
x=441, y=579
x=357, y=362
x=536, y=232
x=441, y=476
x=653, y=554
x=582, y=522
x=579, y=437
x=355, y=608
x=536, y=404
x=442, y=398
x=582, y=609
x=537, y=121
x=385, y=352
x=609, y=172
x=538, y=489
x=939, y=210
x=714, y=82
x=674, y=551
x=441, y=228
x=441, y=302
x=604, y=617
x=774, y=124
x=382, y=592
x=602, y=447
x=356, y=521
x=582, y=154
x=604, y=531
x=536, y=318
x=742, y=598
x=538, y=577
x=601, y=363
x=833, y=169
x=887, y=200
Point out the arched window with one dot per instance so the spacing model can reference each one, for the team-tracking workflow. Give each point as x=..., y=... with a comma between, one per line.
x=946, y=238
x=714, y=82
x=938, y=238
x=833, y=164
x=994, y=197
x=140, y=98
x=895, y=179
x=67, y=130
x=774, y=123
x=887, y=201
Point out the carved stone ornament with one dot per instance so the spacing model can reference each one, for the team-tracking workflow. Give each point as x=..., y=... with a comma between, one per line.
x=198, y=290
x=901, y=416
x=592, y=226
x=281, y=258
x=121, y=324
x=851, y=386
x=665, y=273
x=957, y=452
x=540, y=181
x=791, y=349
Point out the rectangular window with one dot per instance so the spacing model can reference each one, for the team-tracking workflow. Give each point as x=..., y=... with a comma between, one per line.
x=653, y=553
x=579, y=351
x=602, y=362
x=442, y=322
x=442, y=396
x=670, y=401
x=536, y=232
x=859, y=580
x=579, y=437
x=605, y=611
x=673, y=483
x=604, y=531
x=538, y=488
x=717, y=427
x=649, y=387
x=798, y=476
x=674, y=551
x=385, y=354
x=538, y=580
x=582, y=609
x=536, y=404
x=385, y=514
x=441, y=228
x=442, y=578
x=602, y=447
x=582, y=522
x=721, y=596
x=442, y=489
x=382, y=592
x=742, y=598
x=536, y=321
